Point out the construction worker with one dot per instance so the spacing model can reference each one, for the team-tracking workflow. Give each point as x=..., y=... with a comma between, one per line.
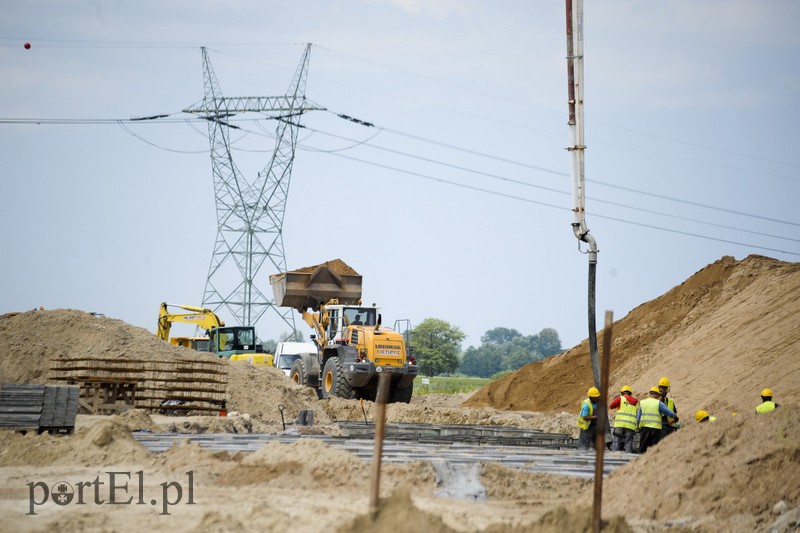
x=767, y=405
x=703, y=416
x=668, y=425
x=649, y=419
x=625, y=421
x=587, y=420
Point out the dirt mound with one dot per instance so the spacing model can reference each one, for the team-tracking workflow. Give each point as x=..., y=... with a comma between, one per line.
x=397, y=514
x=721, y=336
x=35, y=338
x=137, y=420
x=106, y=442
x=732, y=471
x=258, y=390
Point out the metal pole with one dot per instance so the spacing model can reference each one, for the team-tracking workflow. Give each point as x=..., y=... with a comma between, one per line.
x=380, y=419
x=602, y=418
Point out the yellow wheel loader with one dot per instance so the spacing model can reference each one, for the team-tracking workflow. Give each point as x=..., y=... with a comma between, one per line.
x=353, y=348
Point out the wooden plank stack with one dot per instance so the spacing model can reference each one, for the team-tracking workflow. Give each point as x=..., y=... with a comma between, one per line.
x=50, y=408
x=115, y=385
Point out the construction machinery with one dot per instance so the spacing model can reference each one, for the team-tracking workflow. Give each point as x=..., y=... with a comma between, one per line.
x=225, y=341
x=353, y=348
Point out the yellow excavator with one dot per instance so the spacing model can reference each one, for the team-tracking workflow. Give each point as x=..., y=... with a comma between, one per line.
x=353, y=349
x=234, y=342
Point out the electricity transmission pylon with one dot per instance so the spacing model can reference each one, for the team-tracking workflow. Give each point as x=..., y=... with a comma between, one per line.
x=249, y=213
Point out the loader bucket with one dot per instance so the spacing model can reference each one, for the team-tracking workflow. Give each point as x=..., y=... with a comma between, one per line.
x=314, y=286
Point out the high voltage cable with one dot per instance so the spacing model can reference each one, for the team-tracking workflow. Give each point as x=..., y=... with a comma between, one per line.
x=537, y=202
x=565, y=174
x=473, y=171
x=142, y=44
x=545, y=188
x=549, y=189
x=169, y=118
x=527, y=104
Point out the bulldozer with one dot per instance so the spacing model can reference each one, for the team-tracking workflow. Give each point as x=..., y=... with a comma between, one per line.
x=353, y=347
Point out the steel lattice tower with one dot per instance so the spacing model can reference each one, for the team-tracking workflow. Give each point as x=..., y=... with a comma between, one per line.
x=249, y=214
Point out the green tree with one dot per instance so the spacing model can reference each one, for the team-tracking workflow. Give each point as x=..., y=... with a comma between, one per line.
x=549, y=342
x=484, y=361
x=436, y=345
x=499, y=336
x=520, y=352
x=506, y=350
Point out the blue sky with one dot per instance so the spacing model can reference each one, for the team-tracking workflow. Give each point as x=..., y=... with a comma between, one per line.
x=462, y=189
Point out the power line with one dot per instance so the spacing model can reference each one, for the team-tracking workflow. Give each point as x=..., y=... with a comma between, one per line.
x=537, y=202
x=532, y=106
x=559, y=173
x=468, y=170
x=171, y=118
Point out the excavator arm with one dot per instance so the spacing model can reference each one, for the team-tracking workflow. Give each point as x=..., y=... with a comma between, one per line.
x=199, y=316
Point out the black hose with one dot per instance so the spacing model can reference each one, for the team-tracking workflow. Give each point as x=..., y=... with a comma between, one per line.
x=593, y=324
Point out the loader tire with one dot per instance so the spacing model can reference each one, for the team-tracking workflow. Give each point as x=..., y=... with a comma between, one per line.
x=299, y=374
x=398, y=395
x=334, y=382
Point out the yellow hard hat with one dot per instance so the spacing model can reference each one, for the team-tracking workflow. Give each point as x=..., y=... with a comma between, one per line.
x=593, y=393
x=663, y=382
x=701, y=415
x=626, y=389
x=655, y=390
x=766, y=392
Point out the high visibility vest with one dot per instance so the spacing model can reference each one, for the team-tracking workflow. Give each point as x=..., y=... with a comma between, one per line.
x=651, y=417
x=766, y=407
x=626, y=415
x=582, y=422
x=670, y=403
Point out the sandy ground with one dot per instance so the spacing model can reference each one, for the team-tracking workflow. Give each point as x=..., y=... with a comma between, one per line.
x=721, y=336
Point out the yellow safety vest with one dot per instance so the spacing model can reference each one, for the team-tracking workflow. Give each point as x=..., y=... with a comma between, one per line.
x=651, y=417
x=766, y=407
x=670, y=403
x=582, y=422
x=626, y=415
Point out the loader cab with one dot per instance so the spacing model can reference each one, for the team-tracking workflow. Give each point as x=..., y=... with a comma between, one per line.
x=341, y=316
x=360, y=316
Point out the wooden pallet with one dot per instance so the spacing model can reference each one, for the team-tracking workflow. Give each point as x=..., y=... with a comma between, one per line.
x=115, y=385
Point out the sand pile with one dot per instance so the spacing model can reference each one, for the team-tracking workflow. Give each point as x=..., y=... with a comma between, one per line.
x=721, y=336
x=730, y=473
x=106, y=442
x=397, y=514
x=34, y=338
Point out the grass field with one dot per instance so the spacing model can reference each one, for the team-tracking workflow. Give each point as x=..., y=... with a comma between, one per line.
x=447, y=385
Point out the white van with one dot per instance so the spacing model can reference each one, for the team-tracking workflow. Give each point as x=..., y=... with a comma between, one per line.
x=286, y=353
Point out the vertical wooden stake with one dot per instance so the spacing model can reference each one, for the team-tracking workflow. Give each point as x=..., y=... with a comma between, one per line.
x=380, y=419
x=602, y=419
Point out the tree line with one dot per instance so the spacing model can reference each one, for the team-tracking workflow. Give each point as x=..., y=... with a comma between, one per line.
x=436, y=345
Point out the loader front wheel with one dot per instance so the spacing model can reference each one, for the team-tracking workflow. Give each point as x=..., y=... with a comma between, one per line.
x=334, y=382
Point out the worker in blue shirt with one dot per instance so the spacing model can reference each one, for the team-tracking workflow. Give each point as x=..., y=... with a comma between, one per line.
x=648, y=419
x=587, y=420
